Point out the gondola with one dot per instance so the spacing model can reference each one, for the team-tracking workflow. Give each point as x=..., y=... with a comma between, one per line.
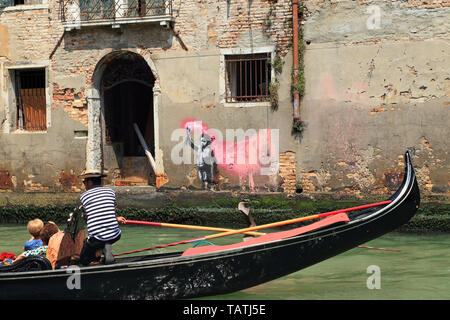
x=212, y=270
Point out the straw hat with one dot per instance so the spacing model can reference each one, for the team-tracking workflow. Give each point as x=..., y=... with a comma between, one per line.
x=86, y=174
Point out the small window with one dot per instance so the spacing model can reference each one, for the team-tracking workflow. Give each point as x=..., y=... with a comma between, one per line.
x=31, y=100
x=247, y=77
x=10, y=3
x=6, y=3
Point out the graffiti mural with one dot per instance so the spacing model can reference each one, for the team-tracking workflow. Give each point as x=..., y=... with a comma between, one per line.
x=248, y=157
x=204, y=158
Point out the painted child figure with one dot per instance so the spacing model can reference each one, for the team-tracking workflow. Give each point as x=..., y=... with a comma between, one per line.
x=204, y=158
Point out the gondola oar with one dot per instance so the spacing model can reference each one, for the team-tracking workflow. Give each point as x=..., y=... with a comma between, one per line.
x=290, y=221
x=246, y=211
x=264, y=226
x=187, y=226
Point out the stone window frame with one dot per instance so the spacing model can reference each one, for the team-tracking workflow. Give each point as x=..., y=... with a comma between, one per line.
x=23, y=7
x=11, y=125
x=222, y=77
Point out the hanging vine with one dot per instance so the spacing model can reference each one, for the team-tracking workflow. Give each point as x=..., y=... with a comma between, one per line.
x=298, y=84
x=277, y=66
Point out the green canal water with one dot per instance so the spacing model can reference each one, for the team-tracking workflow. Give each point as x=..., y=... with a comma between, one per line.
x=420, y=271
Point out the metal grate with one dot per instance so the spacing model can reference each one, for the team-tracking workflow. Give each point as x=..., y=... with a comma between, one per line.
x=31, y=115
x=73, y=11
x=10, y=3
x=247, y=77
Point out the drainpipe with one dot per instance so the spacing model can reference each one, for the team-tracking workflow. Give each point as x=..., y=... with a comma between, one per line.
x=295, y=42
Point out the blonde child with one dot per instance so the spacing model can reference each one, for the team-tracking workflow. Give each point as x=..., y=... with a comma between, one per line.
x=47, y=231
x=34, y=227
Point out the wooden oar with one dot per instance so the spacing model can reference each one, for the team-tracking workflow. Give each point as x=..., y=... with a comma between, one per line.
x=290, y=221
x=264, y=226
x=246, y=211
x=187, y=226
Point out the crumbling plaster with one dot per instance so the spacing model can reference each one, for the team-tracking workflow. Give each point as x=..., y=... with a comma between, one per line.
x=372, y=93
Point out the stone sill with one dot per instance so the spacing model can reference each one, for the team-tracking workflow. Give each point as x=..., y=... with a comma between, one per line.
x=116, y=23
x=22, y=131
x=25, y=7
x=246, y=104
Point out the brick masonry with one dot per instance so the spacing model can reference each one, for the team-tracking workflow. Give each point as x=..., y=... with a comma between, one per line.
x=287, y=171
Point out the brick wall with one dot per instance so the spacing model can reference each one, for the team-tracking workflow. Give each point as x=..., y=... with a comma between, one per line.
x=287, y=171
x=73, y=103
x=33, y=34
x=208, y=24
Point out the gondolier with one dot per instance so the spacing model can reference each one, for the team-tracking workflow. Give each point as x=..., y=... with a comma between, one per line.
x=99, y=204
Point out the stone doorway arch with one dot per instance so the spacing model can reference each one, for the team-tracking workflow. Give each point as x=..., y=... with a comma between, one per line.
x=125, y=90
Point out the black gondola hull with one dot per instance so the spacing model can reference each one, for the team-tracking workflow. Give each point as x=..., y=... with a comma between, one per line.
x=172, y=276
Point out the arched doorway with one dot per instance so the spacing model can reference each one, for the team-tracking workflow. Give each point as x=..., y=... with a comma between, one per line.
x=127, y=91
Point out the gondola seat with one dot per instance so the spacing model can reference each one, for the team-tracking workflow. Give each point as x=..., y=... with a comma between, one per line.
x=30, y=263
x=61, y=248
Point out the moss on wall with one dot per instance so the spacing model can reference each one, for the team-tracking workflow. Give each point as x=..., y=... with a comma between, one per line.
x=431, y=217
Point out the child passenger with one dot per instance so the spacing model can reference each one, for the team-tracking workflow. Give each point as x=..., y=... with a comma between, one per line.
x=34, y=228
x=47, y=231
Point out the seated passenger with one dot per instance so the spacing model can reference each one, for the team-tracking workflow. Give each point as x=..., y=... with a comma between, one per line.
x=34, y=227
x=47, y=231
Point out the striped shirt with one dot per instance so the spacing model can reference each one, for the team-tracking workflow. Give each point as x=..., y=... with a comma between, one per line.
x=99, y=204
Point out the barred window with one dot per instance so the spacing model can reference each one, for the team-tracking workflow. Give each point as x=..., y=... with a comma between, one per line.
x=31, y=99
x=10, y=3
x=247, y=77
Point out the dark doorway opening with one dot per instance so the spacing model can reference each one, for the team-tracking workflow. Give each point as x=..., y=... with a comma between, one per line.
x=126, y=104
x=127, y=87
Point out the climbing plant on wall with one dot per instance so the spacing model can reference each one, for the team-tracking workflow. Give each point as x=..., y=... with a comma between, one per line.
x=298, y=81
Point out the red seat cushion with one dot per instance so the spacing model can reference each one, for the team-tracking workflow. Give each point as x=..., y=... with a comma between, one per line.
x=341, y=217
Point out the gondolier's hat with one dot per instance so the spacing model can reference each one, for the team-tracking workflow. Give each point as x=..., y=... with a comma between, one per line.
x=86, y=174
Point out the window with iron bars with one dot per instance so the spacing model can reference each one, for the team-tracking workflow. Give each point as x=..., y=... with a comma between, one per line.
x=31, y=100
x=10, y=3
x=247, y=77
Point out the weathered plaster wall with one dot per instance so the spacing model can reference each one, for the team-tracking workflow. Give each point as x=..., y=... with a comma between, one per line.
x=187, y=68
x=377, y=82
x=375, y=86
x=185, y=64
x=205, y=28
x=31, y=161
